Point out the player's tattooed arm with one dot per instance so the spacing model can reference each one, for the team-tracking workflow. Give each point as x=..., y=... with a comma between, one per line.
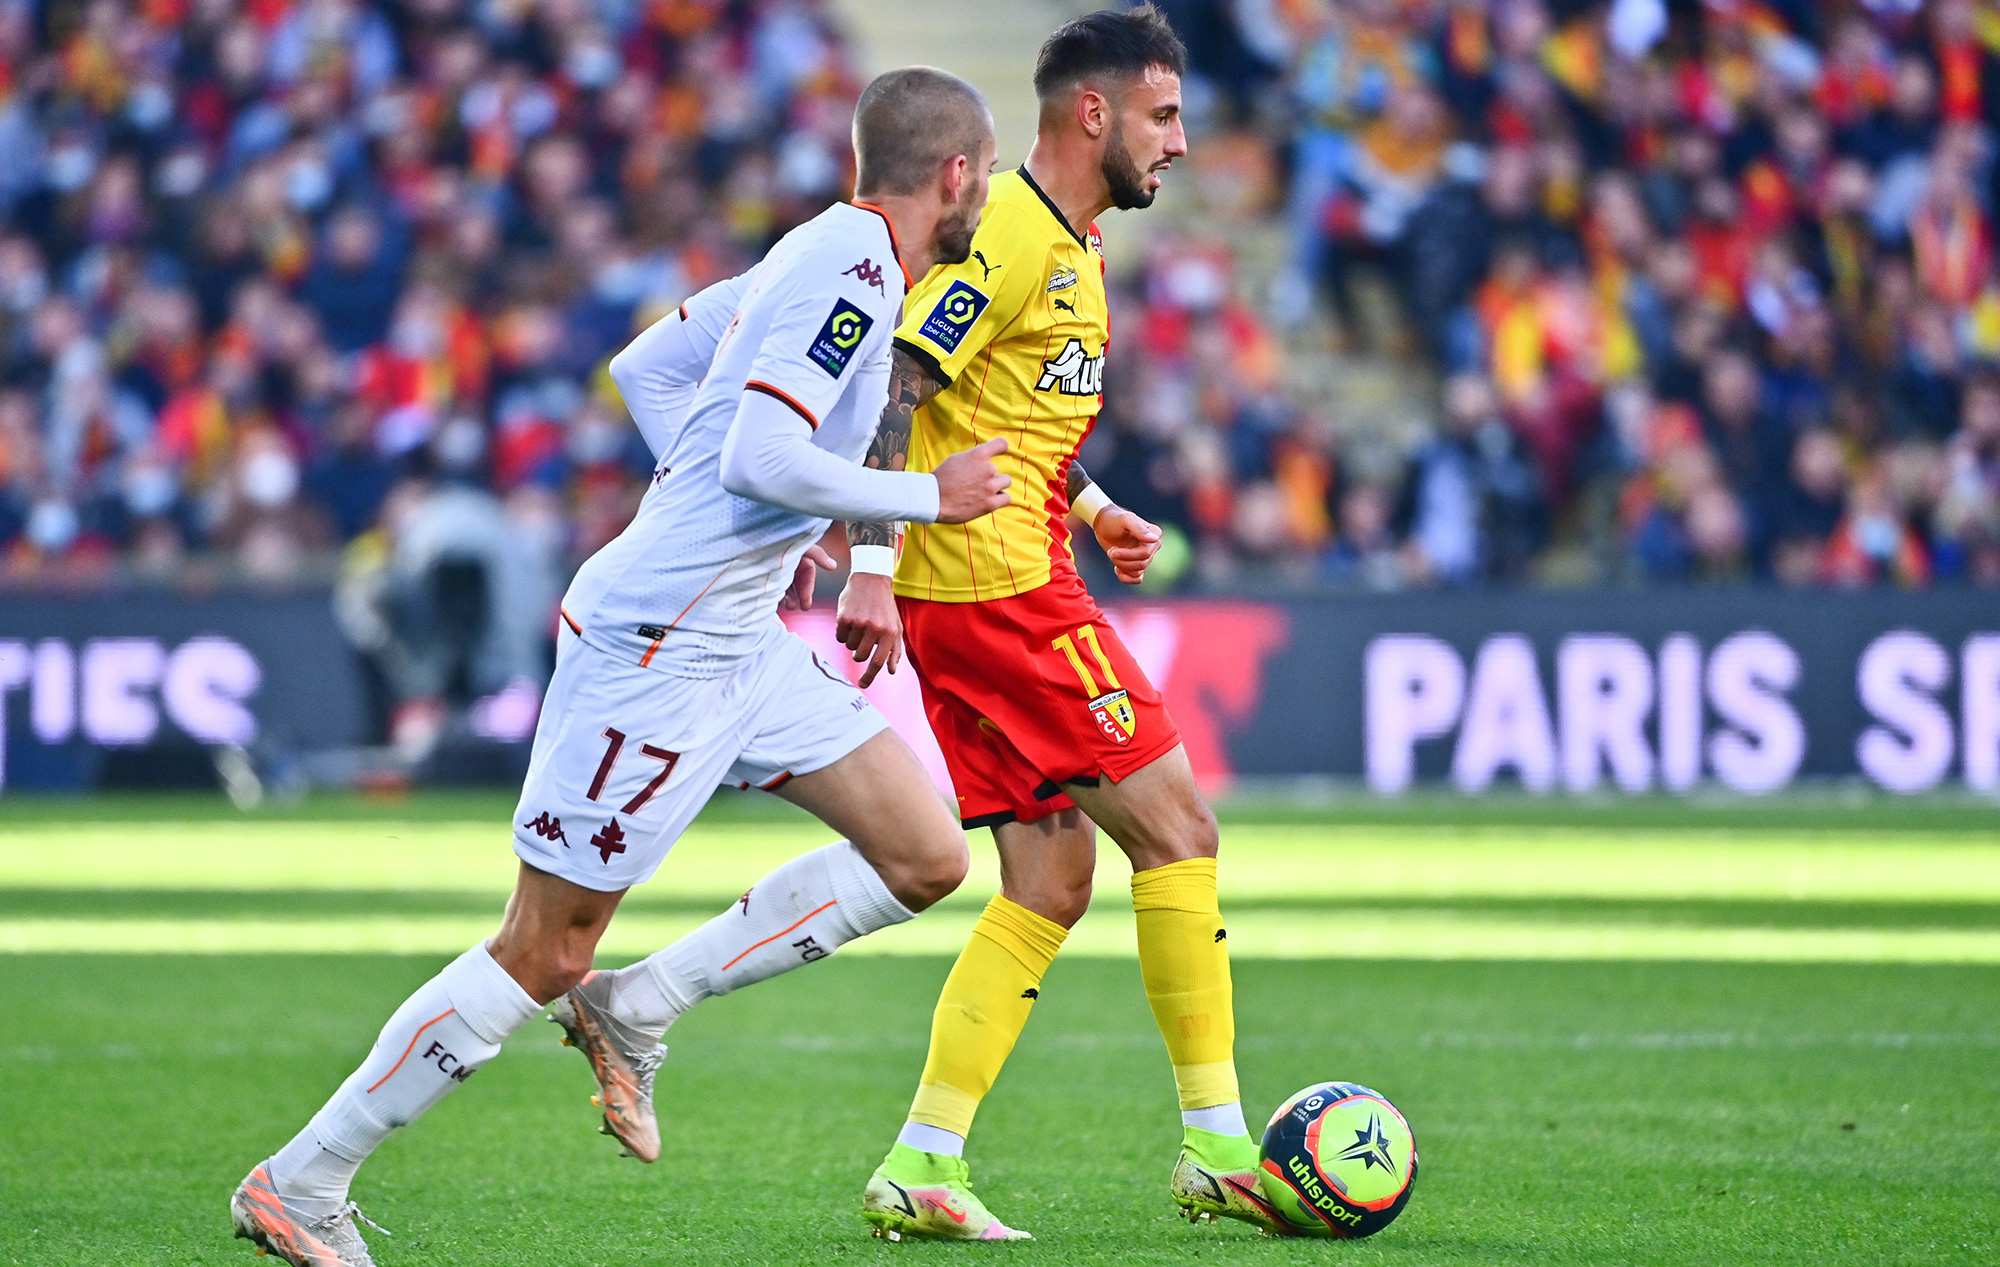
x=911, y=383
x=1129, y=541
x=867, y=623
x=1079, y=479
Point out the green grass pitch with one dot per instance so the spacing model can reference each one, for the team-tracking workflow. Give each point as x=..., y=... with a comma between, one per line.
x=1647, y=1034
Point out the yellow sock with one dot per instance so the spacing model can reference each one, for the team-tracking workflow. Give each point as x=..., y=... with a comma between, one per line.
x=1184, y=959
x=983, y=1008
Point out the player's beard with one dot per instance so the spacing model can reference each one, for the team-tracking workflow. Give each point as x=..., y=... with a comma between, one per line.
x=954, y=238
x=1127, y=182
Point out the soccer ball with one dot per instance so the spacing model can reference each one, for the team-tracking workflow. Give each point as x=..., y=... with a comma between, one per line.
x=1339, y=1160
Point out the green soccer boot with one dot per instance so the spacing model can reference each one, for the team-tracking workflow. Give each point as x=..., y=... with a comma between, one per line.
x=1216, y=1177
x=929, y=1195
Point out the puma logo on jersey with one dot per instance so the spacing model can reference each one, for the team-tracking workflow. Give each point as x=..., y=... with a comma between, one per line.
x=981, y=257
x=1073, y=373
x=1031, y=993
x=1061, y=279
x=1066, y=307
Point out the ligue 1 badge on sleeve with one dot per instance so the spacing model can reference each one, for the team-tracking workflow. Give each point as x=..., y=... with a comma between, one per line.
x=954, y=314
x=1114, y=716
x=834, y=345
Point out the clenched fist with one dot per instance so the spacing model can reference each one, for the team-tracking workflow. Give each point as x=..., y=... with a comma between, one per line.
x=1129, y=541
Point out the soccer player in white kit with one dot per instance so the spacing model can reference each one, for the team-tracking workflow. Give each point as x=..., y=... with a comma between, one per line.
x=673, y=675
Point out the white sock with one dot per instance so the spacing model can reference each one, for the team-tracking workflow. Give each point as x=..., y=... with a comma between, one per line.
x=452, y=1025
x=805, y=910
x=926, y=1138
x=1223, y=1119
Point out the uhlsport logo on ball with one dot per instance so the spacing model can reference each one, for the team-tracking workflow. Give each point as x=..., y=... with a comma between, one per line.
x=1339, y=1160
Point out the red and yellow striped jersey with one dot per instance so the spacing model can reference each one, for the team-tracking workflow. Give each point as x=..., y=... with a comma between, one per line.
x=1018, y=331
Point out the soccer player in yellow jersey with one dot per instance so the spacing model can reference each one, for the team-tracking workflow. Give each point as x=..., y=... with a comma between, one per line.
x=1043, y=715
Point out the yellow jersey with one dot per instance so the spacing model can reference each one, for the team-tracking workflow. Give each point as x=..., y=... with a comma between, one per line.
x=1018, y=332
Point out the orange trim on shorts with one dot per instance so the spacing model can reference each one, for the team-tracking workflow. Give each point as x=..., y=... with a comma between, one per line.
x=767, y=941
x=684, y=312
x=654, y=645
x=570, y=621
x=407, y=1050
x=776, y=783
x=779, y=394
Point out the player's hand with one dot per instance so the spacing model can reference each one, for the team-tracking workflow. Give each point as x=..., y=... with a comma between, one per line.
x=969, y=485
x=1129, y=541
x=868, y=624
x=799, y=598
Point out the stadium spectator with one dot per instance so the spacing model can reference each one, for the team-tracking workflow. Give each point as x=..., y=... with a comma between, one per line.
x=1711, y=287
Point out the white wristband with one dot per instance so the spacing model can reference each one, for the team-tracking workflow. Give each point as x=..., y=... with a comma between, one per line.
x=872, y=560
x=1090, y=503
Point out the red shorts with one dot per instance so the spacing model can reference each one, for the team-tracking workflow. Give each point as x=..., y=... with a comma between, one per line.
x=1030, y=692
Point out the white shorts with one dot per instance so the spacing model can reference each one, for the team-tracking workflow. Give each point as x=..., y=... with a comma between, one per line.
x=625, y=757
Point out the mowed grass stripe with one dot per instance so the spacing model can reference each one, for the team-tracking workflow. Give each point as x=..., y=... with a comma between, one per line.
x=1343, y=934
x=1260, y=862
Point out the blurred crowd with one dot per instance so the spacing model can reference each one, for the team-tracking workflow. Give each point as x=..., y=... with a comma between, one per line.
x=298, y=288
x=309, y=290
x=1708, y=286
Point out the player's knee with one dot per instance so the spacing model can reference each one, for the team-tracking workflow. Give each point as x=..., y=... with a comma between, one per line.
x=1204, y=835
x=1067, y=904
x=933, y=875
x=545, y=968
x=1056, y=896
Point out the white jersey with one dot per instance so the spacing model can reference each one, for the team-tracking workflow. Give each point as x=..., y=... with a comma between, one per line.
x=659, y=371
x=692, y=585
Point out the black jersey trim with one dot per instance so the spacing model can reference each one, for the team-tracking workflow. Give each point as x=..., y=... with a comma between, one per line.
x=1050, y=204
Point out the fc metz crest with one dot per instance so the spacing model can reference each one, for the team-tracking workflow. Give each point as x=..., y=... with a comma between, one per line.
x=1113, y=715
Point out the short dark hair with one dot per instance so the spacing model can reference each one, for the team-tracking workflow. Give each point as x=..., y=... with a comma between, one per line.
x=909, y=122
x=1117, y=43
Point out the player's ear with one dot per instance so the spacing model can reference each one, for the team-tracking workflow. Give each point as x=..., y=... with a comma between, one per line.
x=957, y=175
x=1093, y=112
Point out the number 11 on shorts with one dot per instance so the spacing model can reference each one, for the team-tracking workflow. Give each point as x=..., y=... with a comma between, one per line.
x=1111, y=708
x=615, y=743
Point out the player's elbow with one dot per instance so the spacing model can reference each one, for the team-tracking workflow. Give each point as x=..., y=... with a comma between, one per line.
x=624, y=371
x=739, y=471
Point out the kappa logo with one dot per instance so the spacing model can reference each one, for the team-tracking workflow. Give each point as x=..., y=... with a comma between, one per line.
x=547, y=827
x=1073, y=372
x=869, y=272
x=1062, y=279
x=1114, y=716
x=956, y=310
x=610, y=839
x=835, y=344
